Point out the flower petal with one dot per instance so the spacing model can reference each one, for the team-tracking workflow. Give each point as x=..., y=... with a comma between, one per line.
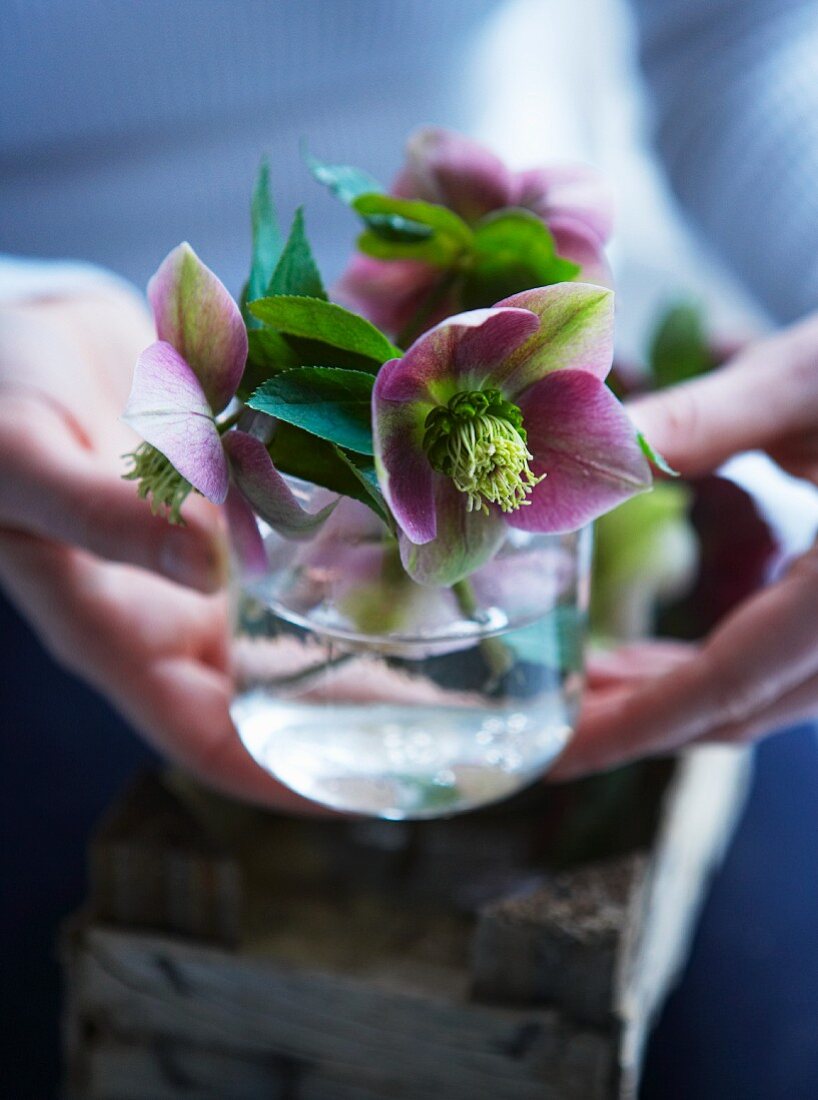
x=576, y=242
x=464, y=541
x=585, y=444
x=575, y=332
x=195, y=313
x=389, y=293
x=245, y=537
x=169, y=409
x=266, y=490
x=577, y=191
x=403, y=469
x=461, y=352
x=447, y=168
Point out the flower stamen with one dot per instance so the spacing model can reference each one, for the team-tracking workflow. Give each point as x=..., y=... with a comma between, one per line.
x=160, y=480
x=478, y=440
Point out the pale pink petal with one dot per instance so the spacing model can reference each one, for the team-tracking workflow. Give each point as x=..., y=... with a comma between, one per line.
x=245, y=537
x=576, y=191
x=447, y=168
x=195, y=313
x=266, y=490
x=170, y=411
x=585, y=444
x=575, y=332
x=465, y=540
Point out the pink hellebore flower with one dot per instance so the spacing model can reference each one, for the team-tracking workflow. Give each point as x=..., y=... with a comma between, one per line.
x=180, y=384
x=451, y=170
x=501, y=418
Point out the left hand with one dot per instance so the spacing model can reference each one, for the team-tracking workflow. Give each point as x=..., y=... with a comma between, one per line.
x=122, y=599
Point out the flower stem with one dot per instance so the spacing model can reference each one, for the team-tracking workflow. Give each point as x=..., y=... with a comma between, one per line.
x=495, y=652
x=228, y=422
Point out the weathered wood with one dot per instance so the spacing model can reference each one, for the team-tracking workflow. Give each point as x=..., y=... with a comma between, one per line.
x=558, y=941
x=154, y=864
x=392, y=961
x=416, y=1040
x=605, y=941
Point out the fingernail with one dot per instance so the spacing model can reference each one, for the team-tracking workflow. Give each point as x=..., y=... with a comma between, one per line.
x=192, y=560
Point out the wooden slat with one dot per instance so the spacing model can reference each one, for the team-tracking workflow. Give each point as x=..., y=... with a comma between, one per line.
x=416, y=1044
x=557, y=942
x=342, y=962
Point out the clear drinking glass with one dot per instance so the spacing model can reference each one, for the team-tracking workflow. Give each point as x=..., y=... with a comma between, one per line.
x=364, y=691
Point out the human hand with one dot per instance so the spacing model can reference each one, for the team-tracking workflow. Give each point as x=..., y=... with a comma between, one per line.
x=758, y=670
x=97, y=576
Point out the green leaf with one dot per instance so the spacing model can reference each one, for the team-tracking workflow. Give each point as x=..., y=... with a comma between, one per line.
x=296, y=271
x=266, y=240
x=314, y=353
x=411, y=229
x=331, y=324
x=387, y=226
x=513, y=251
x=655, y=458
x=268, y=354
x=679, y=349
x=344, y=181
x=363, y=470
x=303, y=455
x=333, y=404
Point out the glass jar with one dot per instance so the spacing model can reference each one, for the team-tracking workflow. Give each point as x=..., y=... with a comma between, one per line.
x=364, y=691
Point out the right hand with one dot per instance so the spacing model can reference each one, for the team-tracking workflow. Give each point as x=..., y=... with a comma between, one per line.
x=758, y=670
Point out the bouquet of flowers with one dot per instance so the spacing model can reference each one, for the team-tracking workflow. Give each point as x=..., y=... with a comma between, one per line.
x=466, y=393
x=446, y=402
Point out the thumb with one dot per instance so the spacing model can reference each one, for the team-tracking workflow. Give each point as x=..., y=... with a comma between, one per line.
x=767, y=392
x=53, y=487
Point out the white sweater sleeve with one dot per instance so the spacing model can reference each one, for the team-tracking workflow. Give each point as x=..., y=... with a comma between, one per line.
x=24, y=279
x=734, y=90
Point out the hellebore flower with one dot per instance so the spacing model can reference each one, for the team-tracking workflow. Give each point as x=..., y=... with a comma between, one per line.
x=453, y=171
x=180, y=384
x=501, y=417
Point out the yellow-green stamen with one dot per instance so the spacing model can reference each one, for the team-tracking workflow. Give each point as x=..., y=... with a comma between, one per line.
x=478, y=440
x=159, y=479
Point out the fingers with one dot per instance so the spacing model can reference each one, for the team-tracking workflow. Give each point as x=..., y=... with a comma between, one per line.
x=54, y=487
x=767, y=393
x=183, y=709
x=157, y=652
x=103, y=620
x=793, y=707
x=750, y=668
x=635, y=662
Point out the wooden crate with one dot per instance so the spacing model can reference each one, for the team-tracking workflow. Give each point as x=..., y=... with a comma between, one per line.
x=514, y=954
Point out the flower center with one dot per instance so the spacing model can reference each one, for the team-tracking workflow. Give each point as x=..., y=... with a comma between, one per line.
x=160, y=479
x=478, y=440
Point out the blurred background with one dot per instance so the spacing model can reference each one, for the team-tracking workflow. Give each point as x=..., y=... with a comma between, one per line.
x=127, y=127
